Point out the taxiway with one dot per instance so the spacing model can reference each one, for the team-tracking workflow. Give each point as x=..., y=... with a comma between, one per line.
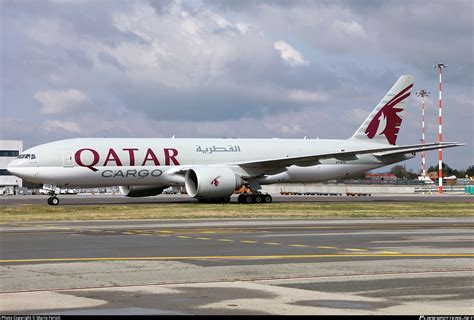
x=376, y=266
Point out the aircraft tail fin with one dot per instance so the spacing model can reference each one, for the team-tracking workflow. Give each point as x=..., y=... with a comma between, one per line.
x=383, y=124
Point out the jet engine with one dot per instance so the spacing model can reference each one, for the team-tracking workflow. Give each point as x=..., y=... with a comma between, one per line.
x=211, y=182
x=140, y=191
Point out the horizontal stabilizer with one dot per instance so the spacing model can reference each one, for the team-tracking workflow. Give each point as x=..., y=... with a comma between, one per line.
x=424, y=147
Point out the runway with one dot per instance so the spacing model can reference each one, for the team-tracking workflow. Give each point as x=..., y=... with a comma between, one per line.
x=376, y=266
x=103, y=199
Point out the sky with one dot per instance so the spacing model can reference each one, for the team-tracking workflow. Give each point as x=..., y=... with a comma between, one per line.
x=247, y=69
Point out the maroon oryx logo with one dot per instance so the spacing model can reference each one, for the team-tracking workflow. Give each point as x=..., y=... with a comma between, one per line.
x=388, y=114
x=216, y=181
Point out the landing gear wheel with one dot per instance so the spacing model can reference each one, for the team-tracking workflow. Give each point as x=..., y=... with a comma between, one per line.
x=257, y=198
x=53, y=201
x=248, y=198
x=267, y=198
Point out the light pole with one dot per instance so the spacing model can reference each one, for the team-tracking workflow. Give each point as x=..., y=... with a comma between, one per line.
x=440, y=67
x=423, y=93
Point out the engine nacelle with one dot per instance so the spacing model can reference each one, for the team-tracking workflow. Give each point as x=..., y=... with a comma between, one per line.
x=211, y=182
x=140, y=191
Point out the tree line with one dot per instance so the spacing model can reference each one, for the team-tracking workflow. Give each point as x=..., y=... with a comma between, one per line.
x=402, y=173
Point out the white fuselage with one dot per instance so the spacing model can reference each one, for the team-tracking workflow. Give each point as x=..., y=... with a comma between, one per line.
x=99, y=162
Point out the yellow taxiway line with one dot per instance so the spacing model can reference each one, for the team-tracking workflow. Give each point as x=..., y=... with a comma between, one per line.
x=267, y=257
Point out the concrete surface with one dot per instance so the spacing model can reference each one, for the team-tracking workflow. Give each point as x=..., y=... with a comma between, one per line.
x=376, y=266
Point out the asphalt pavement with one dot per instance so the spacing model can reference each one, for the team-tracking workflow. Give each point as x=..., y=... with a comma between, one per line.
x=367, y=266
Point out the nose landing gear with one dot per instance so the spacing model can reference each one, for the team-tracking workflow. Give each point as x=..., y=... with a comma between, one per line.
x=53, y=200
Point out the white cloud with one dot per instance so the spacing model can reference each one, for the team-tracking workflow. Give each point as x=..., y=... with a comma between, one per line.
x=290, y=129
x=296, y=124
x=190, y=27
x=179, y=49
x=223, y=23
x=243, y=28
x=307, y=96
x=289, y=54
x=60, y=101
x=55, y=125
x=164, y=67
x=348, y=28
x=45, y=32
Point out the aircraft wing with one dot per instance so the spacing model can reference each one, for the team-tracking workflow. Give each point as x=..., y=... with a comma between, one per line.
x=314, y=159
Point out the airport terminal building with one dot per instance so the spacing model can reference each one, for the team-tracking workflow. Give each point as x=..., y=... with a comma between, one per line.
x=9, y=150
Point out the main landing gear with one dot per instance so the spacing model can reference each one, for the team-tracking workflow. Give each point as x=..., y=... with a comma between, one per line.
x=214, y=200
x=53, y=200
x=247, y=198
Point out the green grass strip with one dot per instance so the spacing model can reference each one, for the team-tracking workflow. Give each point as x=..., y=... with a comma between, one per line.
x=25, y=213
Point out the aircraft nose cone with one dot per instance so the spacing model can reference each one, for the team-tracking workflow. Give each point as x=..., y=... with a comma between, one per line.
x=12, y=168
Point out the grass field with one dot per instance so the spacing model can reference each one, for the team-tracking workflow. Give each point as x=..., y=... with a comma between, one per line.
x=22, y=213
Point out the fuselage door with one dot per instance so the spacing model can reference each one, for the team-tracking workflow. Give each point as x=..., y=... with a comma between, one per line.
x=68, y=161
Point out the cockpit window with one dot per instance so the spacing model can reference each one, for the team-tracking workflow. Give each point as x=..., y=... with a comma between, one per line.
x=27, y=156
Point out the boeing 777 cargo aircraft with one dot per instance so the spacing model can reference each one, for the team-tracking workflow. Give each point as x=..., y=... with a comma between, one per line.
x=212, y=169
